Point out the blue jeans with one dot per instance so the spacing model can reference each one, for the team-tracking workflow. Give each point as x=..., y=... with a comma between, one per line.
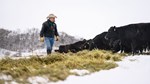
x=49, y=44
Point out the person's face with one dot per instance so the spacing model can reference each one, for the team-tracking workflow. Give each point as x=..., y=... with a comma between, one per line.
x=52, y=19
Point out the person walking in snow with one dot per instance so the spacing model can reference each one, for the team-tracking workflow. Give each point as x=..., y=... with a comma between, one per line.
x=49, y=32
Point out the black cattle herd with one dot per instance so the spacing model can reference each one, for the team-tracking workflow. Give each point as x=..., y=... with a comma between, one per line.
x=132, y=38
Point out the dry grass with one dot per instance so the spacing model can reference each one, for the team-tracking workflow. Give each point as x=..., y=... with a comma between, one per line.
x=57, y=66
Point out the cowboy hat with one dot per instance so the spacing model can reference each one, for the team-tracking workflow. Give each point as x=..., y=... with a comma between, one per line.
x=51, y=16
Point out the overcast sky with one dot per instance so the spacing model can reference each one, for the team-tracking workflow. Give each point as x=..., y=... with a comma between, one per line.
x=83, y=18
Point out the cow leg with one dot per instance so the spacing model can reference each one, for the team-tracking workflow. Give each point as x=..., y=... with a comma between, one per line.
x=121, y=48
x=133, y=49
x=141, y=51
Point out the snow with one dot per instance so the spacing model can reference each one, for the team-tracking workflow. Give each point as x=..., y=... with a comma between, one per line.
x=5, y=77
x=38, y=80
x=35, y=52
x=39, y=52
x=4, y=52
x=7, y=53
x=80, y=72
x=132, y=70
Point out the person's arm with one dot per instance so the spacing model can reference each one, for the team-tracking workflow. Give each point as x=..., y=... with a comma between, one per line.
x=42, y=33
x=56, y=32
x=42, y=30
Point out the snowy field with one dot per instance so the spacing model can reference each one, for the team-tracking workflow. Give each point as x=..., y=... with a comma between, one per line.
x=8, y=53
x=132, y=70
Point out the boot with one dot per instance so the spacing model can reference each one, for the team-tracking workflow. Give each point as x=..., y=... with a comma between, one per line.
x=48, y=52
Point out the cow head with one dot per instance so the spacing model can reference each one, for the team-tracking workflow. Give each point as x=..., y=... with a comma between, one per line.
x=112, y=33
x=86, y=45
x=63, y=48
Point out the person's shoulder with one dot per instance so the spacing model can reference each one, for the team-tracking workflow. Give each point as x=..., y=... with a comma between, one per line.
x=45, y=22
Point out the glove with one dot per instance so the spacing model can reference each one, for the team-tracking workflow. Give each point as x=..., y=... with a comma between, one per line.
x=57, y=38
x=41, y=39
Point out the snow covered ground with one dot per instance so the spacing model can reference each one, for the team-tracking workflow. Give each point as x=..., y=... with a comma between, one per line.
x=4, y=52
x=132, y=70
x=8, y=53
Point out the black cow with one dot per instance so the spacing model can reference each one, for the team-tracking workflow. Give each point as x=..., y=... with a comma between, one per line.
x=115, y=45
x=101, y=42
x=75, y=47
x=63, y=49
x=98, y=42
x=89, y=45
x=133, y=37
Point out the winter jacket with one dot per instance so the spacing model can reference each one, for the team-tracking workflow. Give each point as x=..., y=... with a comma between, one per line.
x=49, y=29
